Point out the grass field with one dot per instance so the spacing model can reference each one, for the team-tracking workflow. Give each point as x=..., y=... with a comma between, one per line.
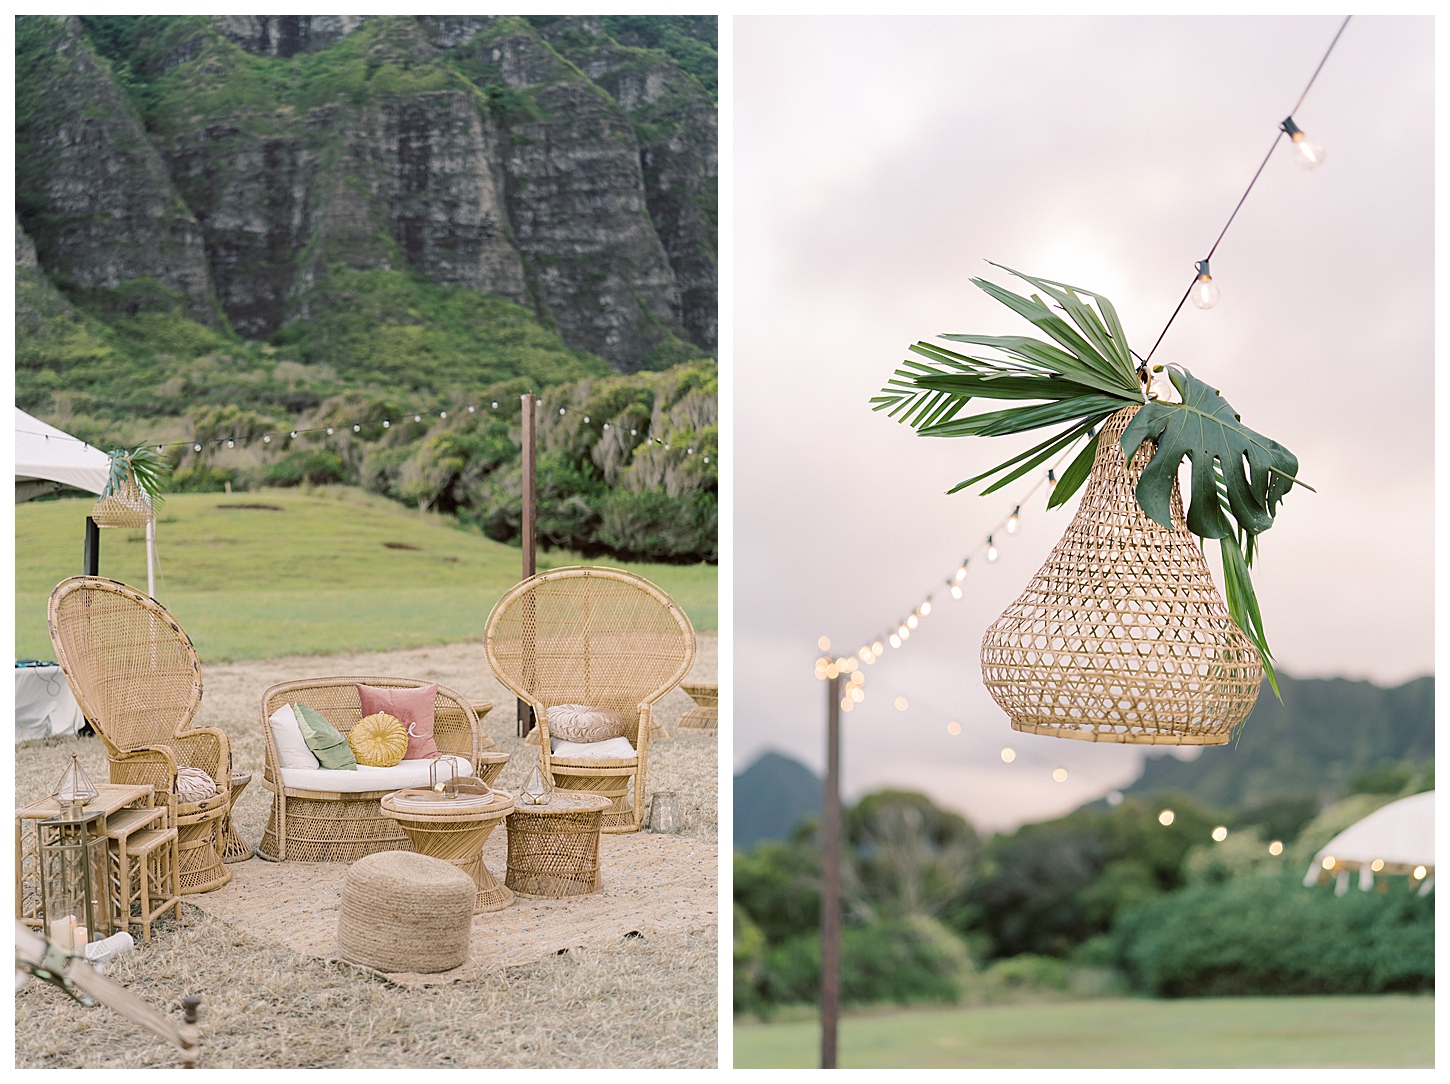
x=1391, y=1031
x=312, y=573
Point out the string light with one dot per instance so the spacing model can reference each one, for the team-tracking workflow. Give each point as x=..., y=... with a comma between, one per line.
x=1276, y=848
x=357, y=429
x=991, y=549
x=1009, y=755
x=1051, y=481
x=956, y=590
x=912, y=622
x=895, y=640
x=1059, y=775
x=1204, y=292
x=824, y=643
x=1308, y=155
x=962, y=572
x=1377, y=865
x=1165, y=818
x=1012, y=520
x=1220, y=834
x=924, y=608
x=877, y=650
x=901, y=703
x=954, y=728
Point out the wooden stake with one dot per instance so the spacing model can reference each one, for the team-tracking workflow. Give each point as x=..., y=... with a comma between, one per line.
x=530, y=417
x=831, y=878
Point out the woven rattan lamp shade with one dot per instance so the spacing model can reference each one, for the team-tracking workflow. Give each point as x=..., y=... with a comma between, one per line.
x=127, y=507
x=1122, y=635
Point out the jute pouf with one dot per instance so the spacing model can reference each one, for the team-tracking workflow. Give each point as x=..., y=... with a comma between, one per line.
x=405, y=912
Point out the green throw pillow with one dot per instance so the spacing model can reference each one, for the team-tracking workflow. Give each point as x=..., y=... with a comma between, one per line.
x=327, y=744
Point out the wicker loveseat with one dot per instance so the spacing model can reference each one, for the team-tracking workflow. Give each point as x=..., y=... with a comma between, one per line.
x=599, y=637
x=136, y=677
x=331, y=826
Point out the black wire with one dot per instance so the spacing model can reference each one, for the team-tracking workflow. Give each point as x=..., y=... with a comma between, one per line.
x=1277, y=136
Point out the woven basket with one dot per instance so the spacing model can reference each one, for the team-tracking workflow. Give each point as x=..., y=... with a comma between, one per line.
x=127, y=507
x=1122, y=635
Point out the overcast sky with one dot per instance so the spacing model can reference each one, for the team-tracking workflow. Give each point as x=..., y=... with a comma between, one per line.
x=880, y=162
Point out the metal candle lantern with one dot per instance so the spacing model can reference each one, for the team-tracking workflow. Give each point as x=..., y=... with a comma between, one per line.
x=76, y=788
x=538, y=790
x=441, y=786
x=75, y=877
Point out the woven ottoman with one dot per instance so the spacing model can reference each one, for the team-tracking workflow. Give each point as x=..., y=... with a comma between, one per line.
x=405, y=912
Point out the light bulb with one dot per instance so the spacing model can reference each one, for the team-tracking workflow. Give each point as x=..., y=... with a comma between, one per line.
x=1307, y=154
x=495, y=404
x=417, y=417
x=865, y=653
x=954, y=728
x=877, y=649
x=857, y=693
x=470, y=410
x=329, y=430
x=901, y=703
x=991, y=549
x=1220, y=834
x=956, y=591
x=1009, y=755
x=1276, y=848
x=904, y=632
x=357, y=429
x=1051, y=481
x=231, y=444
x=1059, y=775
x=912, y=622
x=846, y=703
x=1165, y=818
x=1204, y=292
x=895, y=640
x=387, y=423
x=824, y=643
x=1012, y=521
x=962, y=573
x=1377, y=865
x=197, y=447
x=267, y=440
x=925, y=608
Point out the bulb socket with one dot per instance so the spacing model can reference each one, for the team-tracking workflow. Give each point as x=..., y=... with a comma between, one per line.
x=1292, y=130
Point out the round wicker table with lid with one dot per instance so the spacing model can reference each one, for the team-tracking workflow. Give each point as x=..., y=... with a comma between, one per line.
x=454, y=831
x=554, y=849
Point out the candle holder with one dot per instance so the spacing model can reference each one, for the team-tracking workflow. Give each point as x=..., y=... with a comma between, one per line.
x=538, y=790
x=75, y=788
x=75, y=877
x=664, y=812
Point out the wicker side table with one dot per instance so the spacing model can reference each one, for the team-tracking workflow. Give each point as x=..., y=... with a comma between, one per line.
x=554, y=849
x=234, y=847
x=705, y=715
x=454, y=835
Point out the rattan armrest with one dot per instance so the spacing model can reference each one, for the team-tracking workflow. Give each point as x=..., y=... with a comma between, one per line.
x=207, y=748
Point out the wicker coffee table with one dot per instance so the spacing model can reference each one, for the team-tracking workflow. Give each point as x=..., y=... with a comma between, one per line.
x=454, y=831
x=554, y=848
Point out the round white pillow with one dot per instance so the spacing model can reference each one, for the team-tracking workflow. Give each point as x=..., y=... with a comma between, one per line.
x=578, y=722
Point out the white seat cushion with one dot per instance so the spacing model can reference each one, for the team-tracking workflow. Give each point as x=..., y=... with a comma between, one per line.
x=292, y=751
x=408, y=773
x=612, y=749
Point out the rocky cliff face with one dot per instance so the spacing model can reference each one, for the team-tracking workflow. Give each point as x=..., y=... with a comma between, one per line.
x=91, y=189
x=471, y=150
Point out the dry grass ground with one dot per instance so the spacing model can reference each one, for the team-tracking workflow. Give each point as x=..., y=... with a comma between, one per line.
x=643, y=1002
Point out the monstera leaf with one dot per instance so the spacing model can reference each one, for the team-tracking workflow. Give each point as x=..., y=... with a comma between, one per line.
x=1205, y=429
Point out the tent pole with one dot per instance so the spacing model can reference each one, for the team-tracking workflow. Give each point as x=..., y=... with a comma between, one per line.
x=529, y=415
x=151, y=557
x=93, y=549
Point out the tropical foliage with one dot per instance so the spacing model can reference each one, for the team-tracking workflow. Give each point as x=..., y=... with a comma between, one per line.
x=1084, y=375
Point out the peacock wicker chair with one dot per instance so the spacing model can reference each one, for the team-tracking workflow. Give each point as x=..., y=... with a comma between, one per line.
x=1122, y=635
x=595, y=636
x=326, y=826
x=136, y=677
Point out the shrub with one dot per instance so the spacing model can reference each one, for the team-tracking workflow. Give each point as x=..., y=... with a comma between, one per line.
x=317, y=466
x=1271, y=935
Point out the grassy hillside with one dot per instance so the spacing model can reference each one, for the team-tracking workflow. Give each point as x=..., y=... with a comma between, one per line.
x=1218, y=1033
x=313, y=572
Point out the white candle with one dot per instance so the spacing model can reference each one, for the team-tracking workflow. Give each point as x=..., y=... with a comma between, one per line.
x=81, y=938
x=62, y=932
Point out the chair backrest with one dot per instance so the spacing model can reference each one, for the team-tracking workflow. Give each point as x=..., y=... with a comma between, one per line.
x=455, y=725
x=130, y=664
x=589, y=635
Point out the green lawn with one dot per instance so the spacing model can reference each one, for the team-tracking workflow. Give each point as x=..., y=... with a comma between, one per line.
x=313, y=576
x=1391, y=1031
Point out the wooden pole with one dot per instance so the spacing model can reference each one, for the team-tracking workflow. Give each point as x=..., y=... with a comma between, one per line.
x=530, y=417
x=831, y=878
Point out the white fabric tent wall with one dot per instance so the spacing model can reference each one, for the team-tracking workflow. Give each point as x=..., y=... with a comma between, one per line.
x=47, y=458
x=1400, y=835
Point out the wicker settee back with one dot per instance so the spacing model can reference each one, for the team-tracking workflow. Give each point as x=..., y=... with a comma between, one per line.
x=132, y=668
x=455, y=725
x=589, y=635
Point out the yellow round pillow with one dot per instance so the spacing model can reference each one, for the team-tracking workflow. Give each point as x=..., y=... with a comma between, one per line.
x=379, y=741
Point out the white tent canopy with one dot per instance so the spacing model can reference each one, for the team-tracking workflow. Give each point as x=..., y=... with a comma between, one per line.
x=1400, y=836
x=45, y=455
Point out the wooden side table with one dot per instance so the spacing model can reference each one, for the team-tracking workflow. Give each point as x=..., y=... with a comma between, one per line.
x=705, y=715
x=554, y=849
x=110, y=799
x=455, y=835
x=234, y=848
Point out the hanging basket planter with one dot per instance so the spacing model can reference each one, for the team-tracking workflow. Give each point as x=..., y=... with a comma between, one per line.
x=128, y=506
x=1122, y=635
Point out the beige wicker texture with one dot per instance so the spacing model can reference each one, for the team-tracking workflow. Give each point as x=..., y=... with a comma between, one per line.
x=136, y=677
x=405, y=912
x=234, y=847
x=705, y=715
x=458, y=837
x=322, y=826
x=599, y=637
x=553, y=850
x=127, y=507
x=1122, y=635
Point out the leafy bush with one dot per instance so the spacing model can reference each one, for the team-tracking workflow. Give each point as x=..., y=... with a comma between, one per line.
x=1262, y=935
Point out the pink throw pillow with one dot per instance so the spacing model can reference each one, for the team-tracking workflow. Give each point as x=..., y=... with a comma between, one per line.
x=412, y=707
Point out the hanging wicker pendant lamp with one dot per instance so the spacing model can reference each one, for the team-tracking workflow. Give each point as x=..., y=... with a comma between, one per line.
x=1122, y=635
x=128, y=506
